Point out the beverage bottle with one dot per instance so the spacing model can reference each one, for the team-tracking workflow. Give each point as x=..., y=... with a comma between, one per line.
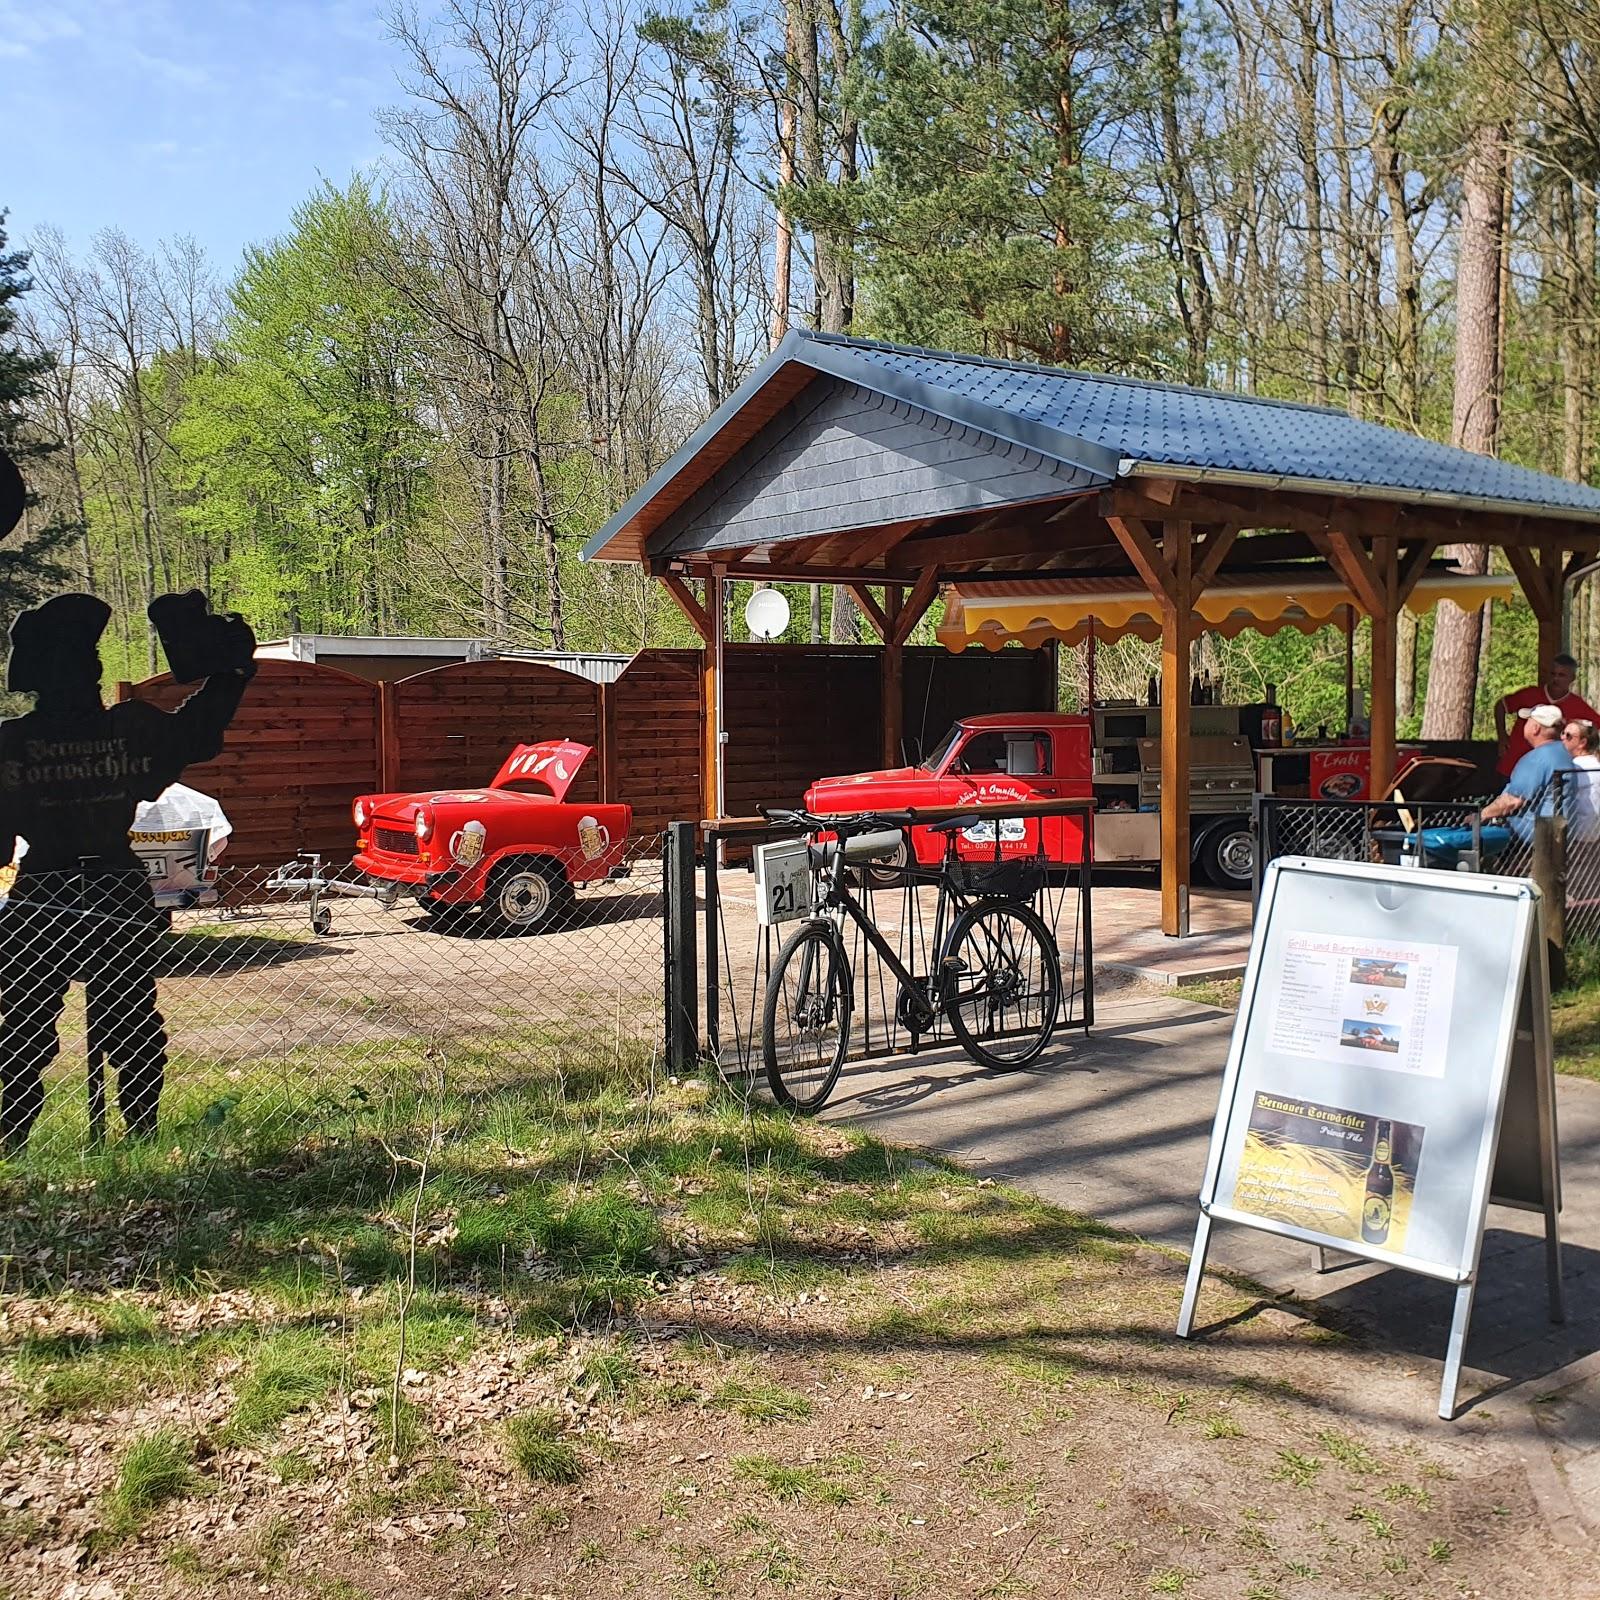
x=1377, y=1204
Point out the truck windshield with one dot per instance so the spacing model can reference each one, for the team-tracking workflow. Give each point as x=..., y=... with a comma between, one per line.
x=935, y=760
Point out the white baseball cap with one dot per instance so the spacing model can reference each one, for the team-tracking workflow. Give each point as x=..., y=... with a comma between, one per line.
x=1547, y=716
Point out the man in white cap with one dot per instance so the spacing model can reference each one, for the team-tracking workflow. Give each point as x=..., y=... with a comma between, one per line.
x=1529, y=792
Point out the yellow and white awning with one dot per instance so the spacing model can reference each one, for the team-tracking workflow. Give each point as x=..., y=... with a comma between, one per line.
x=1031, y=610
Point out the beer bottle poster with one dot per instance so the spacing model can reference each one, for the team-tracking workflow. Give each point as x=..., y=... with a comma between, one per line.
x=1344, y=1173
x=1362, y=1097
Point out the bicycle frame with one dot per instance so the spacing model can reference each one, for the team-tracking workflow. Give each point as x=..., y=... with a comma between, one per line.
x=952, y=901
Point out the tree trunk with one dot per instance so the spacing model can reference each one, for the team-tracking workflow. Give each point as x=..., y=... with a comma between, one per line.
x=783, y=229
x=1475, y=419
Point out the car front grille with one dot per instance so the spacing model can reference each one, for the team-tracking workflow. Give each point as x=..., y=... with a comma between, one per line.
x=395, y=841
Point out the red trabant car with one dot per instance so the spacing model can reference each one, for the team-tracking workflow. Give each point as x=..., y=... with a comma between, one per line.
x=517, y=848
x=983, y=761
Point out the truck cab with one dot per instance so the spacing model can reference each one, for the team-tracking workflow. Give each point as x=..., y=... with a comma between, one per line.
x=1109, y=757
x=983, y=761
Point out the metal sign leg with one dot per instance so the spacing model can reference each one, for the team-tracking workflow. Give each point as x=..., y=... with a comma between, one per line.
x=1549, y=1142
x=1455, y=1349
x=1197, y=1270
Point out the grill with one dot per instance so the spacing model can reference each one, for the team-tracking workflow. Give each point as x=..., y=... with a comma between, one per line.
x=395, y=841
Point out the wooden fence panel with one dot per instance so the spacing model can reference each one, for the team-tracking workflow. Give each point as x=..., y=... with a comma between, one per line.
x=653, y=738
x=795, y=714
x=303, y=745
x=941, y=686
x=454, y=726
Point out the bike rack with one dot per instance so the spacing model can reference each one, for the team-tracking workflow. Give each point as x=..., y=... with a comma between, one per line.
x=305, y=875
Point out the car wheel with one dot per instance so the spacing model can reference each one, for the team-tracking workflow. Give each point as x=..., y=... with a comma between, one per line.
x=1228, y=856
x=527, y=896
x=893, y=871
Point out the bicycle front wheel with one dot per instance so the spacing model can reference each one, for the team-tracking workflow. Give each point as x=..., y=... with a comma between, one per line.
x=1002, y=984
x=806, y=1025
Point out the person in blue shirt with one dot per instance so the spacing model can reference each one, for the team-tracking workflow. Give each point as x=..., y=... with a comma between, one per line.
x=1530, y=793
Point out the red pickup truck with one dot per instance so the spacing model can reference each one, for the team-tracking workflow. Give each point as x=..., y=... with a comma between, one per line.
x=1031, y=755
x=983, y=761
x=517, y=849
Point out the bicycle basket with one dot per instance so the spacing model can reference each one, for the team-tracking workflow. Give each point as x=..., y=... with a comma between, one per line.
x=1001, y=880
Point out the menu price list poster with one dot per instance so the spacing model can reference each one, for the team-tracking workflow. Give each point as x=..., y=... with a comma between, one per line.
x=1355, y=1002
x=1346, y=1174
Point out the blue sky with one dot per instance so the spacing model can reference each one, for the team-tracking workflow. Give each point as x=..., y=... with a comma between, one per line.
x=208, y=117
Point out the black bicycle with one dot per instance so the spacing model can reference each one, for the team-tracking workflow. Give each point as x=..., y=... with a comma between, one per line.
x=996, y=972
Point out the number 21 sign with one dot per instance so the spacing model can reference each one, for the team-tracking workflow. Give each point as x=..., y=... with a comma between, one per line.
x=783, y=882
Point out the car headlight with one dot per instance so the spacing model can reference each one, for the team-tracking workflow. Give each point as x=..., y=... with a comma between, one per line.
x=359, y=812
x=424, y=826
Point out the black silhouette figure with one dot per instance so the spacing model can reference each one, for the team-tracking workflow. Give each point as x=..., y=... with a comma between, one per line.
x=72, y=774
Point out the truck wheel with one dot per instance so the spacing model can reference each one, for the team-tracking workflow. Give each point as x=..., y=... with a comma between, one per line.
x=1228, y=855
x=527, y=896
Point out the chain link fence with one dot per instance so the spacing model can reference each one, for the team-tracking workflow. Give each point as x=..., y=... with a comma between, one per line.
x=737, y=952
x=1555, y=841
x=296, y=998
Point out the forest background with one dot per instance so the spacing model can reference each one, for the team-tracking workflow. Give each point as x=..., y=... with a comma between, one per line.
x=408, y=412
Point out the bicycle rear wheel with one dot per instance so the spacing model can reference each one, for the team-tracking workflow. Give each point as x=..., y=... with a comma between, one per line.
x=805, y=1028
x=1003, y=989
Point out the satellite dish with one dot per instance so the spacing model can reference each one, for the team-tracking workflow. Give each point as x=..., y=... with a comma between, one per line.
x=766, y=613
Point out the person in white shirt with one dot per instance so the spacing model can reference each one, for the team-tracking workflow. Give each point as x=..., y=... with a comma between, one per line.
x=1582, y=739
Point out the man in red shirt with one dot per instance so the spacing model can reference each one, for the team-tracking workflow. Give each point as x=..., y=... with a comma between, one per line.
x=1556, y=690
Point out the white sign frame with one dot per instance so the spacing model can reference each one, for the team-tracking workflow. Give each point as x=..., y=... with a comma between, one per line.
x=784, y=888
x=1526, y=965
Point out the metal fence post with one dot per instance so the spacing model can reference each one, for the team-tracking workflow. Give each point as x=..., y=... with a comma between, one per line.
x=713, y=898
x=1086, y=890
x=682, y=997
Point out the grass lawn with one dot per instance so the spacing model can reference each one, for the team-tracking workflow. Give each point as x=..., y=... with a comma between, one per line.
x=602, y=1334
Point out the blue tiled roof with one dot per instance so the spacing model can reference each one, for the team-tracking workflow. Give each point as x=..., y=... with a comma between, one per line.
x=1110, y=427
x=1159, y=424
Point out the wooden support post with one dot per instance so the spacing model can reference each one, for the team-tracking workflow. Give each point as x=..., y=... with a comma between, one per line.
x=1385, y=647
x=1177, y=634
x=892, y=686
x=1349, y=658
x=1552, y=640
x=711, y=768
x=389, y=739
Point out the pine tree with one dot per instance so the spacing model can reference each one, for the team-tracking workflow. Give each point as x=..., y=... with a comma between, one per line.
x=29, y=558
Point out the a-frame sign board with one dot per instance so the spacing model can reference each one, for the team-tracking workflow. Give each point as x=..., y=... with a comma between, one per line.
x=1391, y=1073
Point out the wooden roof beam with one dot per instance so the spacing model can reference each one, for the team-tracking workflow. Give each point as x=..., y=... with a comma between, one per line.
x=689, y=604
x=1359, y=571
x=922, y=595
x=871, y=610
x=1148, y=559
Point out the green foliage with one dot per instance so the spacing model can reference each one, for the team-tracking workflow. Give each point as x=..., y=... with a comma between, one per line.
x=156, y=1468
x=286, y=1372
x=994, y=217
x=301, y=444
x=538, y=1450
x=757, y=1400
x=30, y=558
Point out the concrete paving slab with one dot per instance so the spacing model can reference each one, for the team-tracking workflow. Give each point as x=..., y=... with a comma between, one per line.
x=1116, y=1125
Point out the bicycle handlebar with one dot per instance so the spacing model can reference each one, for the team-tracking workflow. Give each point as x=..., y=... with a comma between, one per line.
x=842, y=826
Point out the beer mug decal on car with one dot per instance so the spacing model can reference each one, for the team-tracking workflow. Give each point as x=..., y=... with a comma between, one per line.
x=593, y=838
x=466, y=844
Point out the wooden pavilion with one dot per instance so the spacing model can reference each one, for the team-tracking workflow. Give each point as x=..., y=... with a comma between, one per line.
x=845, y=461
